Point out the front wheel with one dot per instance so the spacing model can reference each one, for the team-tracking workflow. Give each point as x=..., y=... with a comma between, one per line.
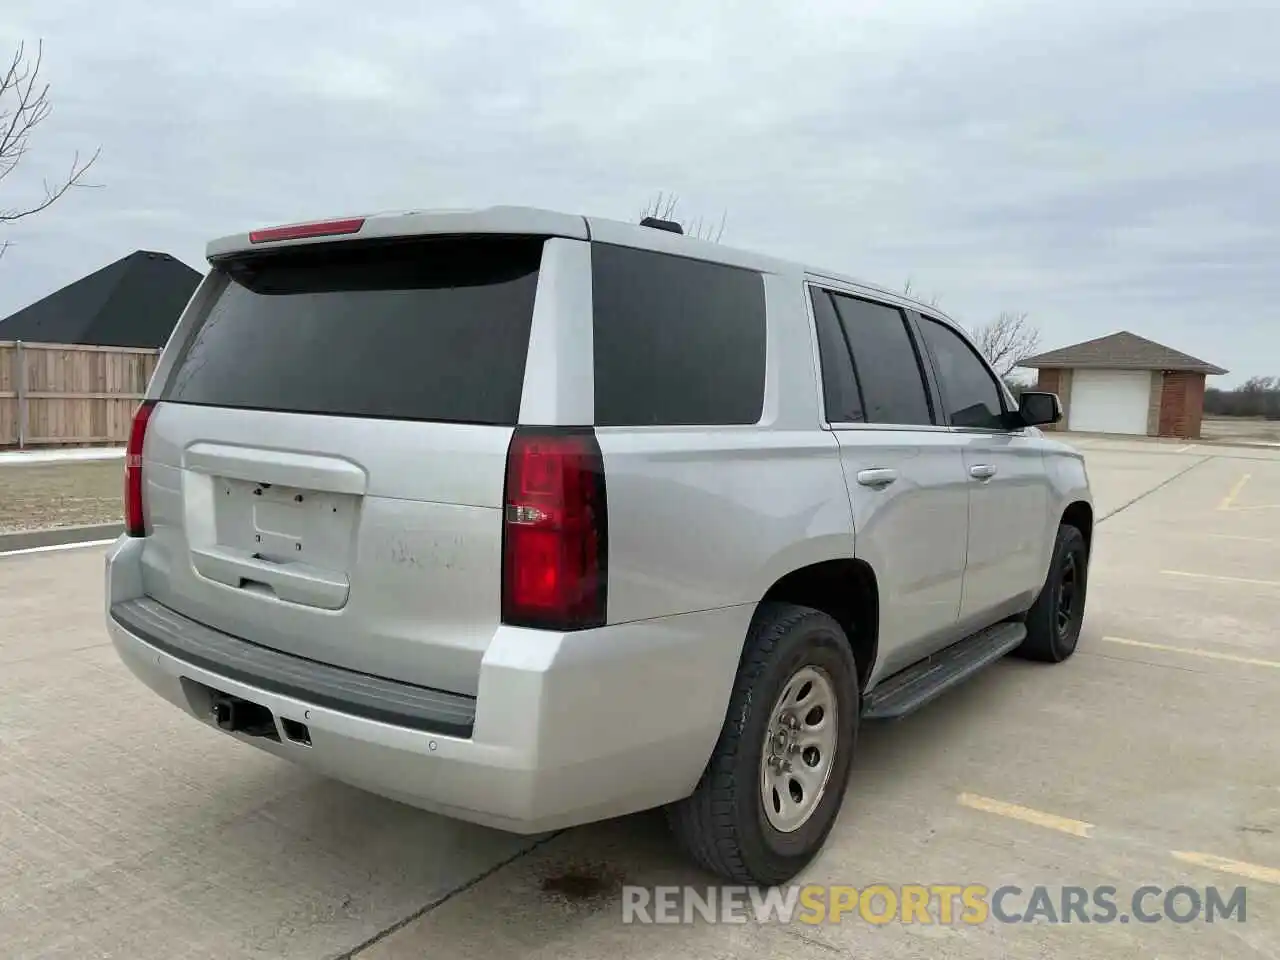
x=775, y=783
x=1054, y=621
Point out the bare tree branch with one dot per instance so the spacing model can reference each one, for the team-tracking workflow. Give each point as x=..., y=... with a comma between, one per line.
x=908, y=290
x=663, y=206
x=1006, y=341
x=24, y=105
x=1259, y=385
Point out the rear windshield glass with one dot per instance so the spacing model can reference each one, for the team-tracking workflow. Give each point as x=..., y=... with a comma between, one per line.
x=423, y=330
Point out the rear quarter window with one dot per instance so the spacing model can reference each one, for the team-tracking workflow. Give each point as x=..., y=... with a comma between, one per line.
x=677, y=341
x=432, y=329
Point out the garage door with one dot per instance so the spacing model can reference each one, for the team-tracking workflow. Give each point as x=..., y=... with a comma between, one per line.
x=1109, y=401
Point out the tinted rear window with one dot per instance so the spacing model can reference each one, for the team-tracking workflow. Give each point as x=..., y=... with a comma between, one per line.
x=839, y=382
x=886, y=363
x=677, y=341
x=423, y=330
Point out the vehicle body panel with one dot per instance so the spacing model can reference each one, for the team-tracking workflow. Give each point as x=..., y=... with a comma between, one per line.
x=1068, y=479
x=711, y=518
x=419, y=537
x=912, y=532
x=1007, y=532
x=559, y=381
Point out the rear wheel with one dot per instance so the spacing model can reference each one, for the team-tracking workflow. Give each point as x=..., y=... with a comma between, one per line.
x=1054, y=621
x=776, y=780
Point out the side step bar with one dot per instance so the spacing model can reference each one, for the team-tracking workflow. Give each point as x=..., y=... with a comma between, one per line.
x=915, y=686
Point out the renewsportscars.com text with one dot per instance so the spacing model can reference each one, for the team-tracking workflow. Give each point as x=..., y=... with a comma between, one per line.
x=942, y=904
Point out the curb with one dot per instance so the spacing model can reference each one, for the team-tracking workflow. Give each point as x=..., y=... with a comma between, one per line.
x=54, y=455
x=1246, y=444
x=59, y=536
x=1067, y=436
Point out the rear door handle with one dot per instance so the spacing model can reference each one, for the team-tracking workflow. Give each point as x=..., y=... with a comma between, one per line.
x=982, y=471
x=877, y=476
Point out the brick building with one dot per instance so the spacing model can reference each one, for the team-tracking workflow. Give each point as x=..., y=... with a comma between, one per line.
x=1124, y=383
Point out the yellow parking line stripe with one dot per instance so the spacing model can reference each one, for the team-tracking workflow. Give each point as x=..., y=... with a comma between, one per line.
x=1220, y=578
x=1232, y=536
x=1230, y=498
x=1051, y=821
x=1250, y=871
x=1196, y=652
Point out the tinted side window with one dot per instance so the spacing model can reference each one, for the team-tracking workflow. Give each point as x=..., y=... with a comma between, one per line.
x=677, y=341
x=886, y=362
x=839, y=382
x=420, y=330
x=969, y=391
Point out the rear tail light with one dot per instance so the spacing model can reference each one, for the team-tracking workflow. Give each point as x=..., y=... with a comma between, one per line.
x=555, y=530
x=134, y=525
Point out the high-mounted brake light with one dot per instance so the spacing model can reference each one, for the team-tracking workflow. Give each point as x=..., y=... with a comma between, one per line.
x=134, y=523
x=301, y=231
x=555, y=530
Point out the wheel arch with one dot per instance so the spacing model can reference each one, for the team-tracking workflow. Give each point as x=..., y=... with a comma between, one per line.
x=1079, y=514
x=846, y=589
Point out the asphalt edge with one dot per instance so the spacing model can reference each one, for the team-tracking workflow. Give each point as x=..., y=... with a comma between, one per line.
x=59, y=536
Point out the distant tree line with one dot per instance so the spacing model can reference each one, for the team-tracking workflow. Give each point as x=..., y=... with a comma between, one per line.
x=1256, y=397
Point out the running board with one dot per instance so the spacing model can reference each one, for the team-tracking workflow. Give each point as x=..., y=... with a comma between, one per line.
x=915, y=686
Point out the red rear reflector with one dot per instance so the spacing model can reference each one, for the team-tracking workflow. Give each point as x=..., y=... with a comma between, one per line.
x=300, y=231
x=555, y=530
x=134, y=524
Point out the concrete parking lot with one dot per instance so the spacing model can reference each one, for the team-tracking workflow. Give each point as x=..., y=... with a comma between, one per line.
x=129, y=830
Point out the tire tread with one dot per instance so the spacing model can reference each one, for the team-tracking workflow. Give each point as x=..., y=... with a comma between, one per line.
x=704, y=823
x=1041, y=642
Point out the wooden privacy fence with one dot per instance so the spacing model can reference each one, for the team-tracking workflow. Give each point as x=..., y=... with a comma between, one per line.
x=57, y=394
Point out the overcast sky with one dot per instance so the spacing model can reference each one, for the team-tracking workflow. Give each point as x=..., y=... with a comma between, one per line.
x=1099, y=164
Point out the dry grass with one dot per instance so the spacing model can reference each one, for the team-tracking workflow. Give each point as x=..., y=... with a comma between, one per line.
x=39, y=495
x=1241, y=429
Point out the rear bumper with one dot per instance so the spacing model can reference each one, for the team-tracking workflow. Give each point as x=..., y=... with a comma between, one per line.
x=220, y=654
x=566, y=728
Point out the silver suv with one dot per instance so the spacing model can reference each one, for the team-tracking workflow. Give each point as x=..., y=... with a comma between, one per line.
x=534, y=519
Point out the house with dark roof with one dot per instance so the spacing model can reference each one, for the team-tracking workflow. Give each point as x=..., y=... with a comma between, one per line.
x=134, y=302
x=1124, y=383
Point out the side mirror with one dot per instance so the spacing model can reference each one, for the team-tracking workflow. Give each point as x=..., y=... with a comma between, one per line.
x=1036, y=409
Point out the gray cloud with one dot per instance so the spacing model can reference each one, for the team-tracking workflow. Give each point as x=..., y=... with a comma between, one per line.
x=1100, y=165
